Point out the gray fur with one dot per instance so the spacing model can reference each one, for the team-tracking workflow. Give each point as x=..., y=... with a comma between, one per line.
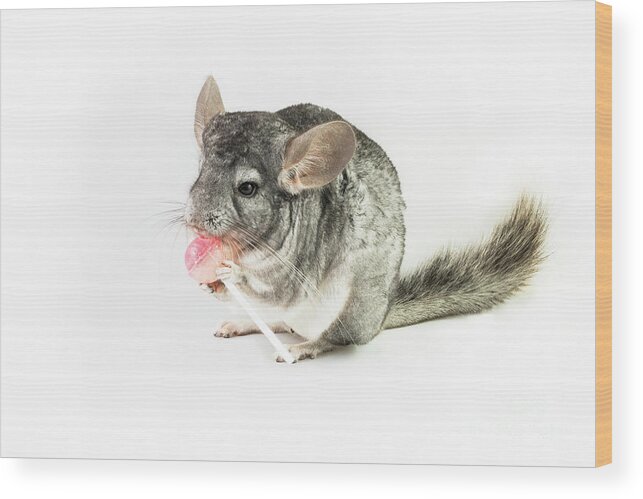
x=474, y=278
x=352, y=226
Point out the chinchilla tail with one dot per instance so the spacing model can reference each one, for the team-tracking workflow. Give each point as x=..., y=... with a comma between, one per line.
x=477, y=277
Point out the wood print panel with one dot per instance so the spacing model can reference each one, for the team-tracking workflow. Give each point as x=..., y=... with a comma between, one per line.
x=107, y=347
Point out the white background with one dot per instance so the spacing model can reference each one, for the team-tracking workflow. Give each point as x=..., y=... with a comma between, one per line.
x=37, y=477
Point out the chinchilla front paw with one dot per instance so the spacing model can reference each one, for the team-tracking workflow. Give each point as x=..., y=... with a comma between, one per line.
x=216, y=289
x=230, y=272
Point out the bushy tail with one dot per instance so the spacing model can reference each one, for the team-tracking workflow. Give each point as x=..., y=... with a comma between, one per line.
x=474, y=278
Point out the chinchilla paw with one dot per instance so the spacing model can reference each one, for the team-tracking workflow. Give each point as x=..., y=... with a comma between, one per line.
x=230, y=329
x=307, y=350
x=230, y=272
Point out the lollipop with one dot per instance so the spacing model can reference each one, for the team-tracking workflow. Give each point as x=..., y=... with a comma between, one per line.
x=202, y=258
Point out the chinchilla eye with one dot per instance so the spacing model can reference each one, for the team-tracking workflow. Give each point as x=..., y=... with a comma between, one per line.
x=247, y=189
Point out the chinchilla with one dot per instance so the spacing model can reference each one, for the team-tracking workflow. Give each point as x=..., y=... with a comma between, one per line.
x=314, y=211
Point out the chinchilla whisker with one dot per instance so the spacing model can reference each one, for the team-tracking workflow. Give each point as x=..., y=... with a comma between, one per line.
x=165, y=228
x=176, y=222
x=256, y=243
x=175, y=215
x=304, y=281
x=176, y=234
x=301, y=277
x=181, y=203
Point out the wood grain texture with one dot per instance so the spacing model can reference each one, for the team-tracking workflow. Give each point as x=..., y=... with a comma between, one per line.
x=603, y=234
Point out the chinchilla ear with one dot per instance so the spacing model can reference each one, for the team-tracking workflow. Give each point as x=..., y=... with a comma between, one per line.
x=208, y=105
x=316, y=157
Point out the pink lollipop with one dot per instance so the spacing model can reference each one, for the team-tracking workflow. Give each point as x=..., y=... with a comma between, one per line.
x=202, y=258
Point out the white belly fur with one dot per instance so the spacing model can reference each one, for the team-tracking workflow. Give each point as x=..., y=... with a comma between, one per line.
x=311, y=317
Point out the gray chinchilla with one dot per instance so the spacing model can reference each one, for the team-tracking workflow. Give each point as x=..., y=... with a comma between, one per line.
x=314, y=210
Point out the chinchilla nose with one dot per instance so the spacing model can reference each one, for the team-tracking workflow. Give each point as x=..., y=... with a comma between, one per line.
x=209, y=225
x=203, y=221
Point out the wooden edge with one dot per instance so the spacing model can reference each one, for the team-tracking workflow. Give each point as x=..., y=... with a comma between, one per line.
x=603, y=426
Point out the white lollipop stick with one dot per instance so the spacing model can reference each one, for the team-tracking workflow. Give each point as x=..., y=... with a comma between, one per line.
x=263, y=327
